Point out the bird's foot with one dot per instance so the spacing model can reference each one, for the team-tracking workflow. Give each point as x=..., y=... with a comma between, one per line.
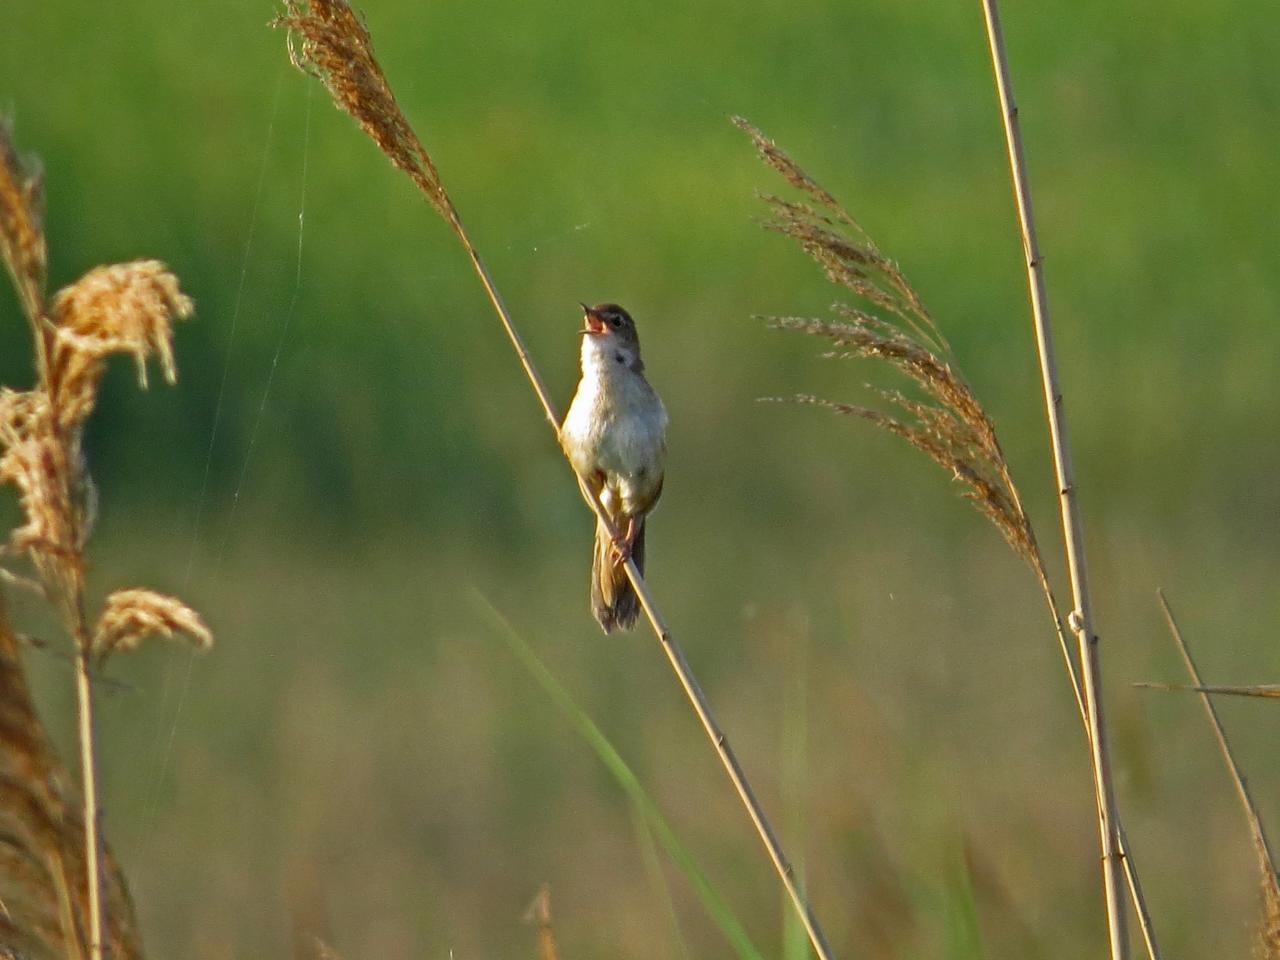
x=622, y=544
x=620, y=551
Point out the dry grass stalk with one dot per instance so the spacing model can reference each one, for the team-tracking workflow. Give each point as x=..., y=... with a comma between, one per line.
x=42, y=865
x=1269, y=883
x=323, y=951
x=539, y=914
x=1116, y=860
x=1266, y=691
x=337, y=49
x=946, y=421
x=126, y=308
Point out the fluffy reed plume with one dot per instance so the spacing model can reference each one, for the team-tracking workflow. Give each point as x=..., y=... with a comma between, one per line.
x=335, y=48
x=130, y=616
x=125, y=308
x=71, y=897
x=946, y=423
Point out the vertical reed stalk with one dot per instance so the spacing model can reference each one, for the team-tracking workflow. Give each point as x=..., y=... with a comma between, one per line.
x=89, y=786
x=1081, y=620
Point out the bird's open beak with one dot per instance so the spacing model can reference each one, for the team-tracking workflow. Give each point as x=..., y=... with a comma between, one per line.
x=594, y=323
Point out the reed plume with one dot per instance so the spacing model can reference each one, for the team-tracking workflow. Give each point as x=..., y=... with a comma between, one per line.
x=890, y=323
x=945, y=420
x=70, y=896
x=333, y=46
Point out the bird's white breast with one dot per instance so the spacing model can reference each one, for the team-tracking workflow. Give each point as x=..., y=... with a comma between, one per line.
x=616, y=425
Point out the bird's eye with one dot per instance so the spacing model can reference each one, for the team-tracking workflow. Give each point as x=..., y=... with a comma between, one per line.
x=615, y=321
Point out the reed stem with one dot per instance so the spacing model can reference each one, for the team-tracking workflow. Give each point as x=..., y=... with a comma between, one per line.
x=1260, y=839
x=1081, y=619
x=89, y=786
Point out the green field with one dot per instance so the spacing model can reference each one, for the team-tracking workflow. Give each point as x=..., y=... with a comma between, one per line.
x=362, y=757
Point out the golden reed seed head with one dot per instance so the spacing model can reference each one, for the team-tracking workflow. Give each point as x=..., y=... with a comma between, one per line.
x=947, y=423
x=334, y=47
x=41, y=467
x=774, y=156
x=124, y=308
x=131, y=616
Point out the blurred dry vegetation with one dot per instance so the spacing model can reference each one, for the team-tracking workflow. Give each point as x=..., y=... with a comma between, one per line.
x=347, y=458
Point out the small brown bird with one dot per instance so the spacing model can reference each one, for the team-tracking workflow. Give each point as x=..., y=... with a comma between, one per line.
x=615, y=435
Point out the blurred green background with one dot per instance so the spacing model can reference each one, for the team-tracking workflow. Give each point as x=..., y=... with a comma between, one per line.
x=361, y=757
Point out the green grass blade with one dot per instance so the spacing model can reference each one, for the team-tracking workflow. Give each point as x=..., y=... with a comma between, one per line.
x=658, y=879
x=717, y=909
x=964, y=930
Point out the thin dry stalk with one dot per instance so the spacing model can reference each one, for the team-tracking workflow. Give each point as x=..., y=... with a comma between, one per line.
x=336, y=48
x=539, y=914
x=42, y=867
x=89, y=781
x=1266, y=691
x=1081, y=619
x=1269, y=930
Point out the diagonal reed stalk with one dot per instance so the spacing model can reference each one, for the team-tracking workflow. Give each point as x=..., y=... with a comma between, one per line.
x=1081, y=619
x=1269, y=932
x=336, y=48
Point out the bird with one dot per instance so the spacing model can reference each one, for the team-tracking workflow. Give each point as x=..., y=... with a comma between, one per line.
x=615, y=436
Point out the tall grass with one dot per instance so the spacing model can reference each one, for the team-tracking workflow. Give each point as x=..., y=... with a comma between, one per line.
x=942, y=418
x=1268, y=879
x=128, y=309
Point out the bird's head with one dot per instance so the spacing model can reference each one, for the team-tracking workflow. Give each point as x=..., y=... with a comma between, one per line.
x=609, y=333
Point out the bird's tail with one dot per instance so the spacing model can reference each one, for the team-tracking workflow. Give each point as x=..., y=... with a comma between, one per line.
x=613, y=600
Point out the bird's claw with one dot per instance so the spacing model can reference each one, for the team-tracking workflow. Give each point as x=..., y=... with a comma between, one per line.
x=620, y=551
